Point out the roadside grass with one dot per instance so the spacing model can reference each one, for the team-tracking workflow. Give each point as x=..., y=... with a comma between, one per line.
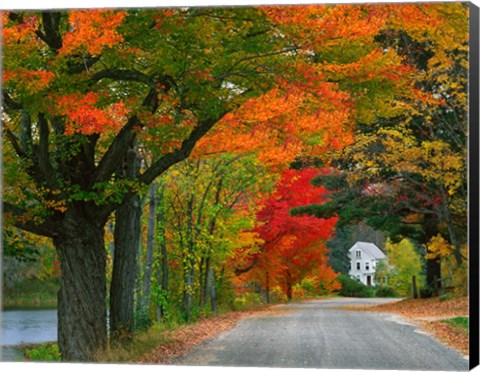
x=140, y=344
x=460, y=323
x=164, y=342
x=453, y=332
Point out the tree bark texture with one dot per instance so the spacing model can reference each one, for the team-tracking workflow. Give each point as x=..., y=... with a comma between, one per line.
x=127, y=239
x=211, y=289
x=147, y=278
x=82, y=328
x=122, y=288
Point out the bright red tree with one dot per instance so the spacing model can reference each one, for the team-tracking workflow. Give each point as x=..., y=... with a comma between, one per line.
x=293, y=245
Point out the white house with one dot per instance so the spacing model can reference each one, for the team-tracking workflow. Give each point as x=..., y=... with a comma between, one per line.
x=364, y=258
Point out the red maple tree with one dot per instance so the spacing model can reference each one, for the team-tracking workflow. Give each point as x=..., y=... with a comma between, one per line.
x=294, y=245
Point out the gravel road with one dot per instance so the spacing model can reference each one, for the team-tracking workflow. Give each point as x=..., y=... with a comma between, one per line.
x=318, y=335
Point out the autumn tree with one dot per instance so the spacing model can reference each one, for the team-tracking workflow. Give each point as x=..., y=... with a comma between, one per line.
x=85, y=91
x=80, y=89
x=406, y=172
x=209, y=202
x=404, y=262
x=294, y=246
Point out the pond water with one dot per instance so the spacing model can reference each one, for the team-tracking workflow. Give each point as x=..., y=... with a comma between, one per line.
x=26, y=326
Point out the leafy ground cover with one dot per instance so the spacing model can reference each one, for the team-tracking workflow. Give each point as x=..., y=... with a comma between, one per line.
x=445, y=319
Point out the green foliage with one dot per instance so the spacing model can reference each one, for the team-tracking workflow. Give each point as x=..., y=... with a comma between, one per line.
x=308, y=286
x=353, y=288
x=384, y=291
x=208, y=205
x=404, y=263
x=15, y=245
x=445, y=297
x=43, y=353
x=31, y=294
x=247, y=301
x=142, y=319
x=277, y=295
x=160, y=299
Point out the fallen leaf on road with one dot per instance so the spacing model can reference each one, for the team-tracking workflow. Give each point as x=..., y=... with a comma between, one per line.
x=427, y=314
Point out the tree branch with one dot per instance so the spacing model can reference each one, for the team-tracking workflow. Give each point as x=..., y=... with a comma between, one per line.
x=45, y=228
x=43, y=156
x=14, y=141
x=26, y=132
x=123, y=75
x=249, y=267
x=51, y=35
x=176, y=156
x=10, y=103
x=116, y=151
x=85, y=63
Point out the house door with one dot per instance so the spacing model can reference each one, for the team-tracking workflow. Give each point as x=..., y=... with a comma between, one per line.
x=369, y=280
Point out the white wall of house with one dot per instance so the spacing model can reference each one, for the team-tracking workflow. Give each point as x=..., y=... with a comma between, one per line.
x=362, y=266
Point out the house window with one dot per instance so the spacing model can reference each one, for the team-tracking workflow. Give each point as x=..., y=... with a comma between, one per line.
x=358, y=254
x=367, y=266
x=358, y=265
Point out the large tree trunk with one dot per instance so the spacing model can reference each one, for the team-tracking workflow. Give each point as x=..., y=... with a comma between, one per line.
x=127, y=240
x=434, y=276
x=122, y=288
x=82, y=328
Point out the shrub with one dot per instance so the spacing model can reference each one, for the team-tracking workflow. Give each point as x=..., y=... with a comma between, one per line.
x=247, y=301
x=142, y=320
x=45, y=352
x=353, y=288
x=385, y=292
x=299, y=292
x=277, y=295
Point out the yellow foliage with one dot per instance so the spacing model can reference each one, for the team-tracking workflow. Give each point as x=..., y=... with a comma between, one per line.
x=456, y=276
x=438, y=247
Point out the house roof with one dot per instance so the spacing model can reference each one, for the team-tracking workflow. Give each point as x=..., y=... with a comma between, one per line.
x=369, y=248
